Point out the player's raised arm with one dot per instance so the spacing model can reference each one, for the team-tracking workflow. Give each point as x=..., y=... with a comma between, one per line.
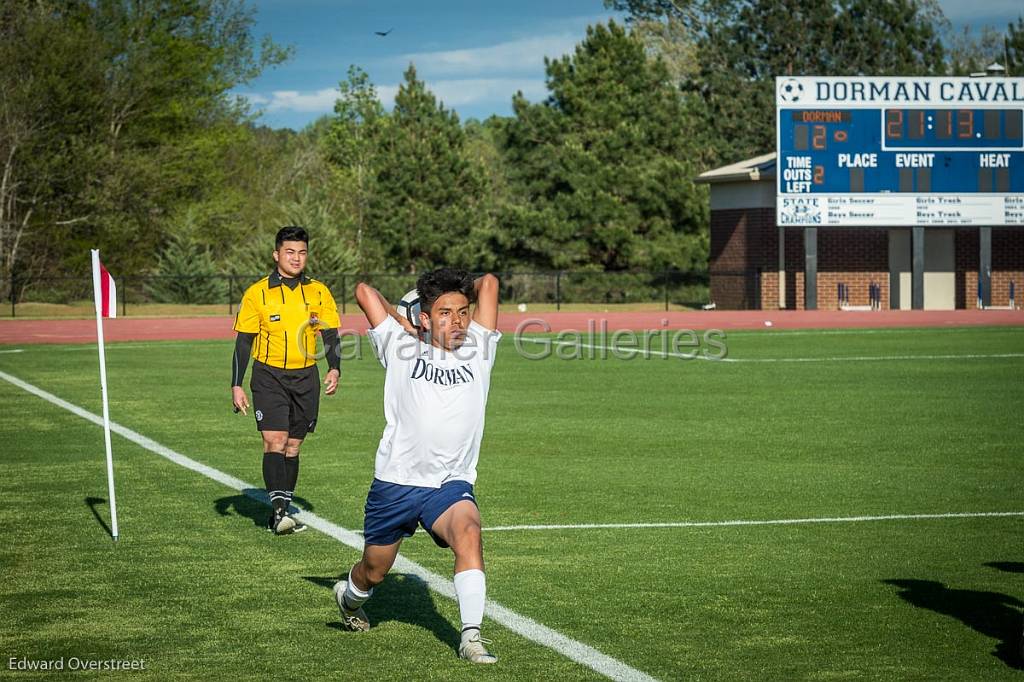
x=486, y=312
x=377, y=308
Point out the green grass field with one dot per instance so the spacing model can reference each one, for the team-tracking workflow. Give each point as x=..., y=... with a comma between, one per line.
x=849, y=424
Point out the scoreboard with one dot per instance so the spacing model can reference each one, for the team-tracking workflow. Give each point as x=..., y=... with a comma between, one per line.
x=900, y=151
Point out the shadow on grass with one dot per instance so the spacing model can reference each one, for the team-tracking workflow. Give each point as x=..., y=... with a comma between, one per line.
x=92, y=503
x=254, y=504
x=993, y=614
x=1008, y=566
x=402, y=598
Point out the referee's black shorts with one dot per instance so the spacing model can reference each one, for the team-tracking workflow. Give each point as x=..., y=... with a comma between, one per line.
x=285, y=399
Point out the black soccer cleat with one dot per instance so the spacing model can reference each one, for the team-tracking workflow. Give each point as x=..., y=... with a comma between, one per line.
x=283, y=524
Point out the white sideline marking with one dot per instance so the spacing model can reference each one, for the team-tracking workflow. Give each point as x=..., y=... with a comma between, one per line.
x=771, y=522
x=522, y=625
x=875, y=330
x=882, y=358
x=834, y=358
x=613, y=350
x=13, y=350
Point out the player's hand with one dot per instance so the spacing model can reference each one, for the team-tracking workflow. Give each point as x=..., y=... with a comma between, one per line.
x=404, y=321
x=239, y=399
x=331, y=381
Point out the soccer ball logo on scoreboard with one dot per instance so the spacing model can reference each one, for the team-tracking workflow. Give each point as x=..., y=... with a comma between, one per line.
x=791, y=90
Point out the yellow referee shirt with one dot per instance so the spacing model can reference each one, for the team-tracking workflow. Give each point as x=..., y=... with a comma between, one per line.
x=286, y=320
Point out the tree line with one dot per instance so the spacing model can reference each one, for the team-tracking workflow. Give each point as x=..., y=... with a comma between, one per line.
x=118, y=130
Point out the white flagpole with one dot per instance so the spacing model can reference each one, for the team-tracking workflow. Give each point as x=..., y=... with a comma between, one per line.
x=97, y=293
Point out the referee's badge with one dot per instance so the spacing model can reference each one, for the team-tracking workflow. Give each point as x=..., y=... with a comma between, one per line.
x=314, y=316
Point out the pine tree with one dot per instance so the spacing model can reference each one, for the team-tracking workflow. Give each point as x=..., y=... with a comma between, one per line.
x=351, y=147
x=425, y=210
x=602, y=167
x=185, y=270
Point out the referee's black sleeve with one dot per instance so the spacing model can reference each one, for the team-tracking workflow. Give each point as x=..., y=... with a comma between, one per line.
x=240, y=360
x=332, y=349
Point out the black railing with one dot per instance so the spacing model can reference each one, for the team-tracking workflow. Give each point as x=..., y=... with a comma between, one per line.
x=54, y=295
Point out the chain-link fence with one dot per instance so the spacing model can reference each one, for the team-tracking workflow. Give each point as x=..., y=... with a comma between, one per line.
x=220, y=294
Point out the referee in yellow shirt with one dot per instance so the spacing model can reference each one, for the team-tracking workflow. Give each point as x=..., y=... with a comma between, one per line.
x=276, y=325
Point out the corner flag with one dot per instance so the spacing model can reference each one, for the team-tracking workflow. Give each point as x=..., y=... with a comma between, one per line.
x=108, y=291
x=105, y=298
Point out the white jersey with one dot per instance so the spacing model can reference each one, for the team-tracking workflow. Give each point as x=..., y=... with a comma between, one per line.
x=434, y=403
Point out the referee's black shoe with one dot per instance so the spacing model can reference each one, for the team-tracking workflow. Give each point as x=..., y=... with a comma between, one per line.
x=284, y=524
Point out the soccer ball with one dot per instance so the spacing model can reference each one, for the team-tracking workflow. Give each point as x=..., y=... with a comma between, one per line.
x=409, y=307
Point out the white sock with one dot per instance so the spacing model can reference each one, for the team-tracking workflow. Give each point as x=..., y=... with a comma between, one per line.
x=355, y=597
x=471, y=591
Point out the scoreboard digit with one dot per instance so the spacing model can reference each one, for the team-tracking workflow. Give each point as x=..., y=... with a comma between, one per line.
x=952, y=129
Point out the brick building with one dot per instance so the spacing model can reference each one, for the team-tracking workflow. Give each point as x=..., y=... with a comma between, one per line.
x=755, y=264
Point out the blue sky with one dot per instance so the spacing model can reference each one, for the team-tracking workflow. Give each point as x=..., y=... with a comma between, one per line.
x=473, y=54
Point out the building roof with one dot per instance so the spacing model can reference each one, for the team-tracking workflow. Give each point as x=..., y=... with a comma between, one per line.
x=751, y=170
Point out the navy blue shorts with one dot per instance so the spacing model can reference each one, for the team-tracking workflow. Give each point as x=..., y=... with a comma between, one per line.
x=393, y=511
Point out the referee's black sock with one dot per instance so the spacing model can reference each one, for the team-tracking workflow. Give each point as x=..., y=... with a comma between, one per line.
x=275, y=478
x=291, y=469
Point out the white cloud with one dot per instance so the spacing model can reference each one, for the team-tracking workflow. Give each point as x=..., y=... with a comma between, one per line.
x=386, y=95
x=514, y=56
x=454, y=93
x=256, y=98
x=462, y=91
x=293, y=100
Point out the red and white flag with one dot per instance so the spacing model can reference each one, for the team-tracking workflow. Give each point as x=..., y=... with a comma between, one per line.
x=107, y=293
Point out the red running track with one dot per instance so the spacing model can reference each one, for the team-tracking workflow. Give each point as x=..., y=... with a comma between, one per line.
x=30, y=332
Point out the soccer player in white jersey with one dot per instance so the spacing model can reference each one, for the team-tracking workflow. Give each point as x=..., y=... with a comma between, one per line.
x=435, y=395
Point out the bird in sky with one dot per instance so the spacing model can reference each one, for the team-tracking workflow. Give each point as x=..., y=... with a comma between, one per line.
x=384, y=33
